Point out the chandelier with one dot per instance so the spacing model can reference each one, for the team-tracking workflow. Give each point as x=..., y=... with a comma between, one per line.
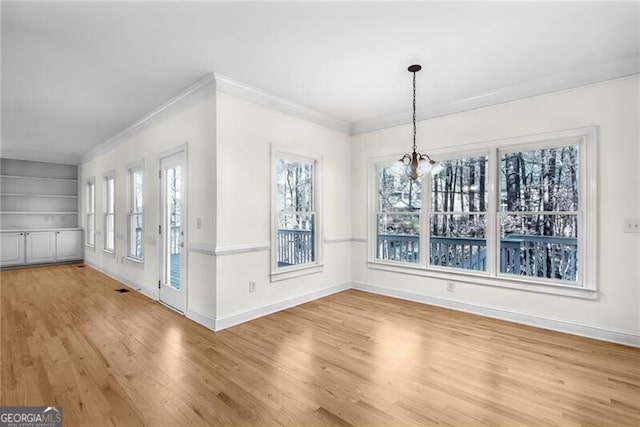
x=415, y=165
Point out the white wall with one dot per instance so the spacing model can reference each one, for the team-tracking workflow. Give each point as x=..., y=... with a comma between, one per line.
x=244, y=134
x=613, y=106
x=190, y=120
x=229, y=185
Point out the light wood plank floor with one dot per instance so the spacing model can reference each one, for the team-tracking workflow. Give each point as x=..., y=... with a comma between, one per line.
x=352, y=358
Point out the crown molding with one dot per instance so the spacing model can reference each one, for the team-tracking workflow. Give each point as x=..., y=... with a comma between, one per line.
x=204, y=86
x=39, y=156
x=586, y=76
x=241, y=90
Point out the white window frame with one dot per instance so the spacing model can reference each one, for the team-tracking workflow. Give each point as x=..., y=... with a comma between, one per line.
x=586, y=287
x=111, y=175
x=90, y=212
x=283, y=273
x=131, y=170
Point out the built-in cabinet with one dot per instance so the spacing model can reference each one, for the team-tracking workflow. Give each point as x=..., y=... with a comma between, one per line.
x=38, y=213
x=40, y=247
x=12, y=248
x=69, y=245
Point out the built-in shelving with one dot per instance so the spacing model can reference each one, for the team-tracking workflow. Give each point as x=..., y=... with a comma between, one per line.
x=2, y=176
x=38, y=195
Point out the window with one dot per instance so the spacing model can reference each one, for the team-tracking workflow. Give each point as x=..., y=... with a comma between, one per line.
x=398, y=217
x=539, y=212
x=458, y=215
x=90, y=212
x=109, y=213
x=518, y=213
x=135, y=216
x=295, y=243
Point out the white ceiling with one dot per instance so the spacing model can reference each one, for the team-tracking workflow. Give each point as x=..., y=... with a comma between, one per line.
x=74, y=74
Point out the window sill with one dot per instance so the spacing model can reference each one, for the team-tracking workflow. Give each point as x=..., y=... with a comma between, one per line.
x=92, y=247
x=136, y=261
x=483, y=279
x=109, y=252
x=296, y=271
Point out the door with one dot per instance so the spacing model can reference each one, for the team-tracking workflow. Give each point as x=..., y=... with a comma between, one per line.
x=173, y=220
x=12, y=248
x=69, y=245
x=41, y=247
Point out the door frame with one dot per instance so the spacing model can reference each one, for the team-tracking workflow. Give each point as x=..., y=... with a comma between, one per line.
x=184, y=286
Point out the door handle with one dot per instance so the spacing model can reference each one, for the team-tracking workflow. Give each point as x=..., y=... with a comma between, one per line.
x=182, y=244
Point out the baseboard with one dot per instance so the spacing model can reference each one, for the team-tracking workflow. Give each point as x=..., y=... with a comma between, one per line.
x=574, y=328
x=150, y=293
x=201, y=319
x=245, y=316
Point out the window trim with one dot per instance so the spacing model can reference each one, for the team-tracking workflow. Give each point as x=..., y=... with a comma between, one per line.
x=283, y=273
x=131, y=169
x=585, y=138
x=90, y=182
x=105, y=199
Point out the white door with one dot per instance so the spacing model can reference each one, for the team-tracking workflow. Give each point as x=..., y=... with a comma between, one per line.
x=69, y=245
x=12, y=248
x=41, y=247
x=173, y=221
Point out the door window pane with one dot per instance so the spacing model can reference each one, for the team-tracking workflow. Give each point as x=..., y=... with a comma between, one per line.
x=173, y=215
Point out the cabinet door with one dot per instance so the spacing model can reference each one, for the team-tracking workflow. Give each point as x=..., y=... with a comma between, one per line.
x=41, y=246
x=69, y=245
x=11, y=248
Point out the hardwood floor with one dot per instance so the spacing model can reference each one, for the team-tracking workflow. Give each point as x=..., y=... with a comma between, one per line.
x=352, y=358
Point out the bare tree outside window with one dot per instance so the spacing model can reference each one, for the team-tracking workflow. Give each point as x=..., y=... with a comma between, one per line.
x=295, y=212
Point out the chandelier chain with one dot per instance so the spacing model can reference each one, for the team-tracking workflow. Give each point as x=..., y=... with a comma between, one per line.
x=414, y=111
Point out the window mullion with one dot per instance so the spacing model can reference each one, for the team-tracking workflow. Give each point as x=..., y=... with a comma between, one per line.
x=493, y=230
x=425, y=232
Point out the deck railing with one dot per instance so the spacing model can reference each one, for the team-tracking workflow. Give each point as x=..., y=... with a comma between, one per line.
x=174, y=239
x=295, y=247
x=536, y=256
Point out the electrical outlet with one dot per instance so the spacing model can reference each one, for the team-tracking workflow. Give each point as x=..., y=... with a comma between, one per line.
x=198, y=223
x=632, y=225
x=252, y=286
x=451, y=286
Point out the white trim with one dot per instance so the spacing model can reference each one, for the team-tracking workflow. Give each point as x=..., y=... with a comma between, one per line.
x=150, y=293
x=337, y=239
x=201, y=248
x=481, y=278
x=296, y=271
x=254, y=313
x=295, y=154
x=242, y=248
x=562, y=325
x=359, y=239
x=241, y=90
x=582, y=77
x=204, y=86
x=201, y=319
